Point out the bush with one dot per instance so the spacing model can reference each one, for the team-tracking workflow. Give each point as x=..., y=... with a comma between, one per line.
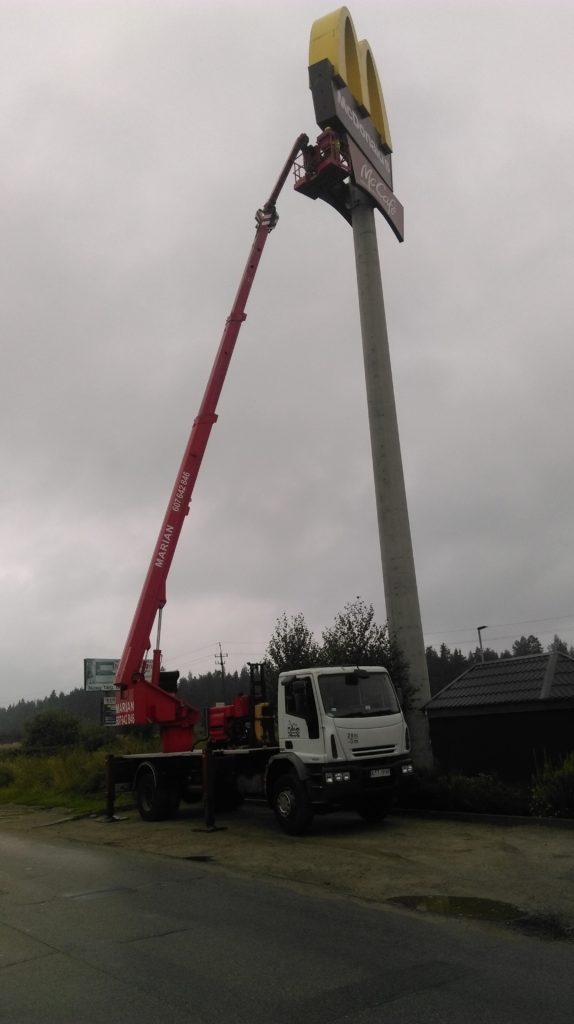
x=553, y=790
x=25, y=779
x=487, y=794
x=51, y=729
x=476, y=794
x=8, y=750
x=95, y=737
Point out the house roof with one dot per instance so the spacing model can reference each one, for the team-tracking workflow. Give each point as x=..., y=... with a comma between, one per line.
x=537, y=679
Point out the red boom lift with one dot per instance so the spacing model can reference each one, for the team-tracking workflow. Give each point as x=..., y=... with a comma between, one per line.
x=139, y=701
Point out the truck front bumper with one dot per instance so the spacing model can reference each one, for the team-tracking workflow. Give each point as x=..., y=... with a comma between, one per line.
x=345, y=782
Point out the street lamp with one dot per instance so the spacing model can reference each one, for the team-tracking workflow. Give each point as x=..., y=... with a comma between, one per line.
x=479, y=630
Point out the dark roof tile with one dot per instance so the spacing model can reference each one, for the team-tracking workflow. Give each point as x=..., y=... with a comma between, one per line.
x=508, y=681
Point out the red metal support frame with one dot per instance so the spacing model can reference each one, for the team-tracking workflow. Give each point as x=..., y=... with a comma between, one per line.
x=144, y=701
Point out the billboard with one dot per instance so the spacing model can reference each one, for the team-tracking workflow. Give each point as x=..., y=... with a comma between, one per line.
x=100, y=673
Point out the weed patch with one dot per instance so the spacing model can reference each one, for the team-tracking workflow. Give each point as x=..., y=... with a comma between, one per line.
x=553, y=790
x=476, y=794
x=73, y=777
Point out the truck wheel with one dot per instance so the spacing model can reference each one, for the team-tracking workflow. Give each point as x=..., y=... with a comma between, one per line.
x=154, y=802
x=291, y=805
x=374, y=811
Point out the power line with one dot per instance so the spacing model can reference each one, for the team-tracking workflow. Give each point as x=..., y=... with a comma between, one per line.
x=214, y=643
x=490, y=640
x=261, y=646
x=169, y=661
x=501, y=625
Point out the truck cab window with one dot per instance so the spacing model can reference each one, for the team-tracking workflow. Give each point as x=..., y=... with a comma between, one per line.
x=300, y=703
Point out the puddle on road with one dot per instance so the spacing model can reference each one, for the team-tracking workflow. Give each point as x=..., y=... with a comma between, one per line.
x=495, y=911
x=200, y=858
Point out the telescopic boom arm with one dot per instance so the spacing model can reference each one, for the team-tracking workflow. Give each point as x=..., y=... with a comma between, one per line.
x=150, y=703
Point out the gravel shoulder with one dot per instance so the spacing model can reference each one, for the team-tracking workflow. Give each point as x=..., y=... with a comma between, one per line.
x=528, y=865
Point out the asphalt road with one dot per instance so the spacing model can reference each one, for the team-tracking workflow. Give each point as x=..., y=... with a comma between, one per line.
x=98, y=935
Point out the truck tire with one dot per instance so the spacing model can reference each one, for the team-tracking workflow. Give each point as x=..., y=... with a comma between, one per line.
x=373, y=811
x=291, y=805
x=154, y=801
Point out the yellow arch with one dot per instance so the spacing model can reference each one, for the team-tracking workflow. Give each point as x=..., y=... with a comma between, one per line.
x=333, y=38
x=373, y=94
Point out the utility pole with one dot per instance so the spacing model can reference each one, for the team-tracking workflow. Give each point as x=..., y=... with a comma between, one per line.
x=399, y=577
x=220, y=659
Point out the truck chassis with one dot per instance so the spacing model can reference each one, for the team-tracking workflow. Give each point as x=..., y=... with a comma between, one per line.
x=222, y=778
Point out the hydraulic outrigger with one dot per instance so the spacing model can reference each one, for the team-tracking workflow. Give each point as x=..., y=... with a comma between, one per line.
x=138, y=700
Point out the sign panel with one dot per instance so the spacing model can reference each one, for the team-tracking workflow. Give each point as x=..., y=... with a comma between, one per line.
x=109, y=709
x=118, y=710
x=125, y=710
x=335, y=107
x=100, y=673
x=366, y=177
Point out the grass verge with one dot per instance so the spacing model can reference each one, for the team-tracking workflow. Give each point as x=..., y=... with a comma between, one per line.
x=73, y=778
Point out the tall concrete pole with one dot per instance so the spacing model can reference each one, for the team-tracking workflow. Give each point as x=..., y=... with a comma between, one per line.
x=399, y=578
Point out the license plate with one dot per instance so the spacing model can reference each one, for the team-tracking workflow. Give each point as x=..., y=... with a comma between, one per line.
x=379, y=773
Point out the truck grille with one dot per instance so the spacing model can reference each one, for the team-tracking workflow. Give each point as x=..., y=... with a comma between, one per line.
x=373, y=751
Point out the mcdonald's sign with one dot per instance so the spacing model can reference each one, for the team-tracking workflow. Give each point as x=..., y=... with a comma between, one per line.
x=347, y=95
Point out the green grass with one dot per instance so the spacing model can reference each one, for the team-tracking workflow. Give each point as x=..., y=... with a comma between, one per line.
x=73, y=778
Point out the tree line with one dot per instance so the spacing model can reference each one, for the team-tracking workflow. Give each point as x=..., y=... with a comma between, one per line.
x=445, y=665
x=354, y=638
x=79, y=703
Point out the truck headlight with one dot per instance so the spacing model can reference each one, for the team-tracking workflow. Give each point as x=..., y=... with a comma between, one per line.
x=406, y=769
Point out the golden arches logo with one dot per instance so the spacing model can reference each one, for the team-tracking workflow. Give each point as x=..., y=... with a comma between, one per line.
x=333, y=38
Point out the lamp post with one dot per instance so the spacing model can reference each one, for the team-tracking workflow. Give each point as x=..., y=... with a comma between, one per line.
x=479, y=630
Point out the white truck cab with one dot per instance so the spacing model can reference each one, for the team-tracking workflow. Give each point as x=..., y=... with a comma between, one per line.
x=343, y=741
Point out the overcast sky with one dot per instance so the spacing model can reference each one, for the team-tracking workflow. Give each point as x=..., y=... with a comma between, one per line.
x=138, y=139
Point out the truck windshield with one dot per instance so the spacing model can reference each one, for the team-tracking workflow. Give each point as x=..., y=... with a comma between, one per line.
x=357, y=695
